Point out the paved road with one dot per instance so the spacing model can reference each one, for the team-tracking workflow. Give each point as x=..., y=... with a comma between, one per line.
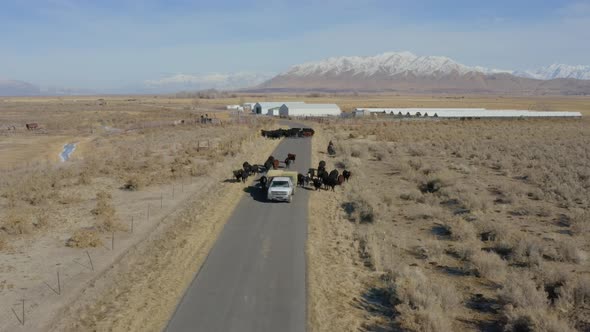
x=254, y=276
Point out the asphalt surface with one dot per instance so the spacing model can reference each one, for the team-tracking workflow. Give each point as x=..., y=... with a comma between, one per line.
x=254, y=278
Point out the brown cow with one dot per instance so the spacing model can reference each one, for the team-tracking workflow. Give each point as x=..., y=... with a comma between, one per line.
x=275, y=164
x=32, y=126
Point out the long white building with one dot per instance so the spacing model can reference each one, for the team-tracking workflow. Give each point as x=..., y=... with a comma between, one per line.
x=303, y=109
x=461, y=113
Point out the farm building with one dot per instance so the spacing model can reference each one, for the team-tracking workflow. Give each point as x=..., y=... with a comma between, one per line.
x=290, y=109
x=235, y=108
x=459, y=113
x=264, y=107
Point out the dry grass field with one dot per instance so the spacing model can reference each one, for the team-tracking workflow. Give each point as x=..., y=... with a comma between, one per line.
x=137, y=205
x=136, y=180
x=451, y=225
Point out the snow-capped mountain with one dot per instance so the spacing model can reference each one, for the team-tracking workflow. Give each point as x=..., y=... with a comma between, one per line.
x=208, y=81
x=406, y=72
x=557, y=71
x=390, y=63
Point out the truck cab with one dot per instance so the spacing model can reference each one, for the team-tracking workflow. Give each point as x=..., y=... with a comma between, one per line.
x=280, y=188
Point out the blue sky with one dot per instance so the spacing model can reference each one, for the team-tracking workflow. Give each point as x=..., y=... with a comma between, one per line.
x=101, y=44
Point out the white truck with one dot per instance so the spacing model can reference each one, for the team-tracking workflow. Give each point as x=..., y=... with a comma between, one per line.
x=281, y=185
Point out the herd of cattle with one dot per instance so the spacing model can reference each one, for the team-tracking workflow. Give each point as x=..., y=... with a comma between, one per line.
x=290, y=133
x=270, y=163
x=318, y=177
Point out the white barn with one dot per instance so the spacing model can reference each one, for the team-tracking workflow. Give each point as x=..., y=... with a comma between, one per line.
x=264, y=107
x=288, y=110
x=461, y=113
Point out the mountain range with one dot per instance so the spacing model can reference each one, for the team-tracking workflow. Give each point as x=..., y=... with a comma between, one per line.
x=18, y=88
x=406, y=72
x=387, y=72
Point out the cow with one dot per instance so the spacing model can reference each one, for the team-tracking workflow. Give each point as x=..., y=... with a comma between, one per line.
x=322, y=164
x=275, y=164
x=317, y=183
x=340, y=179
x=291, y=157
x=238, y=174
x=331, y=150
x=308, y=132
x=32, y=126
x=330, y=182
x=322, y=173
x=287, y=163
x=311, y=172
x=257, y=168
x=334, y=174
x=308, y=179
x=249, y=169
x=301, y=180
x=346, y=175
x=245, y=176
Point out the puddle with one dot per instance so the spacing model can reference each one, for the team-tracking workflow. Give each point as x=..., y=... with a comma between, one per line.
x=67, y=151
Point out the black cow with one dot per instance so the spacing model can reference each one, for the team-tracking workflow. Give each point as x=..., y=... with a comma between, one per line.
x=334, y=174
x=301, y=180
x=317, y=183
x=239, y=174
x=248, y=168
x=330, y=182
x=346, y=175
x=287, y=163
x=308, y=179
x=322, y=173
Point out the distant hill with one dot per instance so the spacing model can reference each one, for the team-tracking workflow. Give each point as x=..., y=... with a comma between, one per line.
x=406, y=72
x=17, y=88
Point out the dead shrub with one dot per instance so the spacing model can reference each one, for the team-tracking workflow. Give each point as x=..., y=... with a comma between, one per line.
x=520, y=291
x=526, y=250
x=357, y=152
x=518, y=320
x=431, y=186
x=69, y=197
x=416, y=151
x=3, y=243
x=84, y=238
x=423, y=305
x=17, y=223
x=566, y=251
x=133, y=183
x=415, y=164
x=359, y=211
x=580, y=222
x=460, y=230
x=106, y=218
x=488, y=265
x=411, y=194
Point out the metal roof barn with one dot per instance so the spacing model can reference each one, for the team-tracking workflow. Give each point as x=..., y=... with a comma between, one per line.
x=462, y=113
x=288, y=110
x=263, y=107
